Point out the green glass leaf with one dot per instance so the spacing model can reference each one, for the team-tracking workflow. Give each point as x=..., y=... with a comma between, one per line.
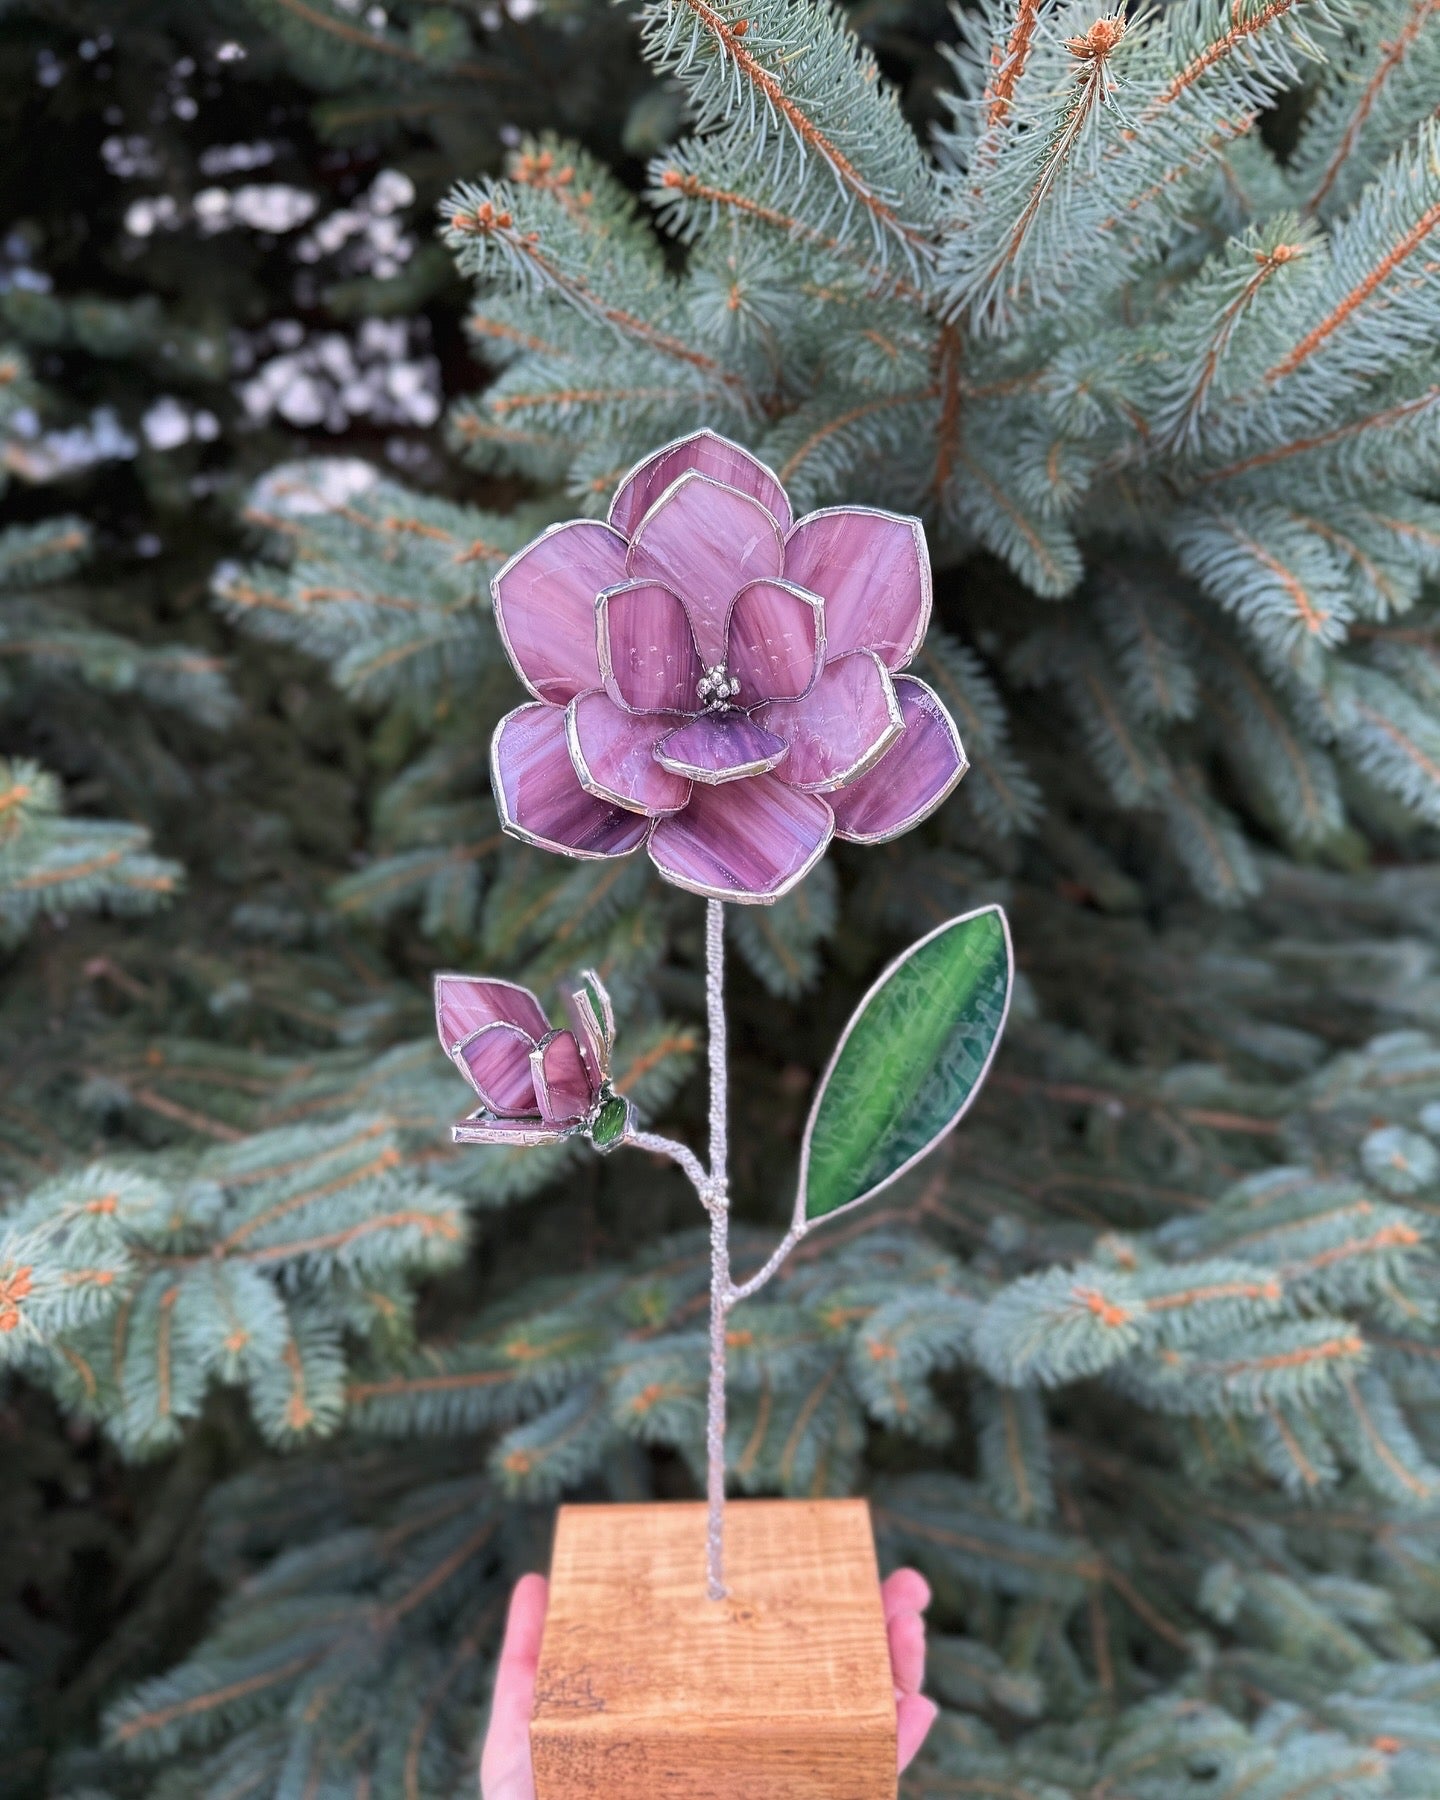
x=908, y=1064
x=612, y=1123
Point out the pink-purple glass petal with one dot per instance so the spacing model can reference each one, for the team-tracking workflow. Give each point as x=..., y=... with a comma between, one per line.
x=498, y=1060
x=562, y=1086
x=463, y=1003
x=545, y=606
x=590, y=1036
x=705, y=454
x=720, y=746
x=706, y=541
x=514, y=1134
x=873, y=572
x=613, y=755
x=910, y=780
x=646, y=649
x=776, y=641
x=749, y=841
x=539, y=795
x=846, y=723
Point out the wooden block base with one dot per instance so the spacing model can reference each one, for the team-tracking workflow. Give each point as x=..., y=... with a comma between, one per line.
x=648, y=1690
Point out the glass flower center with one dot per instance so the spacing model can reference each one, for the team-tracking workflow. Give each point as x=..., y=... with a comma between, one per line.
x=717, y=686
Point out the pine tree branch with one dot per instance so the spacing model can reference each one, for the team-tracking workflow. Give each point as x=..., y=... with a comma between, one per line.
x=1092, y=85
x=314, y=19
x=1394, y=257
x=1268, y=263
x=1393, y=55
x=685, y=183
x=765, y=87
x=1387, y=416
x=1010, y=67
x=158, y=1718
x=865, y=409
x=1230, y=42
x=474, y=216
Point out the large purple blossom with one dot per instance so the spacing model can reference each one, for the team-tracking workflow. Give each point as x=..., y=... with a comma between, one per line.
x=718, y=683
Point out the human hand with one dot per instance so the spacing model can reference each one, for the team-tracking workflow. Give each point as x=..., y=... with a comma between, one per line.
x=905, y=1595
x=505, y=1772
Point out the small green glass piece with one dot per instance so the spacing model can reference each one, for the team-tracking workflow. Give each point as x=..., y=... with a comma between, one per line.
x=612, y=1123
x=909, y=1063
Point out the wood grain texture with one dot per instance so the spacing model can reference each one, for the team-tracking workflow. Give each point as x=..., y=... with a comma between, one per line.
x=647, y=1690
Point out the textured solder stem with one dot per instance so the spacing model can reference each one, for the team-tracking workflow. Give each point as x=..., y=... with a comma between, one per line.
x=720, y=1284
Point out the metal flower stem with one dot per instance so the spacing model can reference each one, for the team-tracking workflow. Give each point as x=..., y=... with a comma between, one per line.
x=713, y=1187
x=717, y=1201
x=724, y=1294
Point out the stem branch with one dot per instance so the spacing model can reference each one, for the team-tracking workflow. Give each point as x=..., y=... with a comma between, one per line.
x=680, y=1154
x=753, y=1286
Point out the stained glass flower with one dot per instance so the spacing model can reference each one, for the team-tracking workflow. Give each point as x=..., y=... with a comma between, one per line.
x=536, y=1084
x=717, y=681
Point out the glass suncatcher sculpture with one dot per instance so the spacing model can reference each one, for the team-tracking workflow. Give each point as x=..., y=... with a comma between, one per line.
x=723, y=685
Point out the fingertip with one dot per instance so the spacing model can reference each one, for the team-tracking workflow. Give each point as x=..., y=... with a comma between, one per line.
x=526, y=1621
x=906, y=1590
x=531, y=1587
x=914, y=1715
x=505, y=1772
